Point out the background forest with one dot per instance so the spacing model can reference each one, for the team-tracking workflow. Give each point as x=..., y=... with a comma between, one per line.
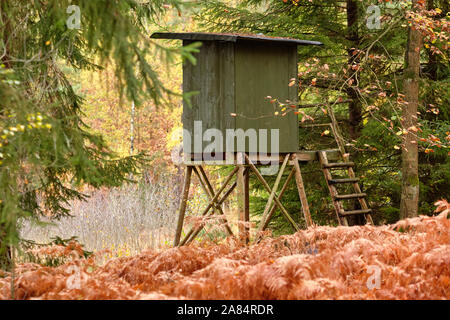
x=86, y=111
x=360, y=71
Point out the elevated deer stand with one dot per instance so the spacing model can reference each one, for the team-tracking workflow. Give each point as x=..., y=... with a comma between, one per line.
x=233, y=76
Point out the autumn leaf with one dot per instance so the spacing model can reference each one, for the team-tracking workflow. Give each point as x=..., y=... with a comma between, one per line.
x=434, y=138
x=292, y=82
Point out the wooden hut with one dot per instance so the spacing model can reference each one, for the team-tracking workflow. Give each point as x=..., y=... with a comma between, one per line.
x=234, y=76
x=237, y=78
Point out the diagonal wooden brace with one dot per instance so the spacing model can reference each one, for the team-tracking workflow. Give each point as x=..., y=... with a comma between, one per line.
x=207, y=188
x=272, y=195
x=275, y=198
x=197, y=231
x=264, y=224
x=211, y=203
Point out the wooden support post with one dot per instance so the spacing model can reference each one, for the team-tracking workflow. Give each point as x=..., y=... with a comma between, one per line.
x=247, y=204
x=183, y=203
x=243, y=200
x=302, y=193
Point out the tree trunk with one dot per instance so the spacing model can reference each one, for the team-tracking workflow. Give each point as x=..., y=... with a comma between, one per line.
x=354, y=110
x=132, y=128
x=5, y=249
x=409, y=203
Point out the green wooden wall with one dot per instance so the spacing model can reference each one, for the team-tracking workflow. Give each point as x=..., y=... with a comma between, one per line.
x=263, y=70
x=235, y=78
x=213, y=77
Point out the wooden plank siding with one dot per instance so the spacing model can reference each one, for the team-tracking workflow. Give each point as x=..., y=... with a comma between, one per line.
x=236, y=78
x=264, y=70
x=213, y=78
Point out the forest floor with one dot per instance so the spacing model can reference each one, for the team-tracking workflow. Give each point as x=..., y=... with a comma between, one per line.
x=407, y=260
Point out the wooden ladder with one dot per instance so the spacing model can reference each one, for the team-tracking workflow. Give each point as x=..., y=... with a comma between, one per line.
x=351, y=178
x=337, y=198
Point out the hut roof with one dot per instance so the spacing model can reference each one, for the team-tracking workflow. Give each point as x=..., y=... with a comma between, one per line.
x=231, y=37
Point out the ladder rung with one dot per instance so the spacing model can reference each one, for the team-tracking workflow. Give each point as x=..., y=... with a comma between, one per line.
x=350, y=196
x=347, y=180
x=339, y=165
x=347, y=213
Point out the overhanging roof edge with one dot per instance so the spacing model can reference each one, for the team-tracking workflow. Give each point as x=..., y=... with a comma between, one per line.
x=198, y=36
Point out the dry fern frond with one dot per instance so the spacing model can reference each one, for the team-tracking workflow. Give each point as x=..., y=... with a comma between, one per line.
x=412, y=256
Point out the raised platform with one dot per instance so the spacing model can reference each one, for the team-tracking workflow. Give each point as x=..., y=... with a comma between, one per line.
x=236, y=158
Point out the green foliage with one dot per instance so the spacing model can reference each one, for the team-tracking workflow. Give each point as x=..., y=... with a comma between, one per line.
x=46, y=151
x=375, y=58
x=27, y=255
x=390, y=214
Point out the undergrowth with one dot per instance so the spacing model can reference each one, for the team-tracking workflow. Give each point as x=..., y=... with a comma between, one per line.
x=413, y=257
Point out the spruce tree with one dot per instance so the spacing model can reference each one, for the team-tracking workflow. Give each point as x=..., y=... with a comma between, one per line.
x=46, y=151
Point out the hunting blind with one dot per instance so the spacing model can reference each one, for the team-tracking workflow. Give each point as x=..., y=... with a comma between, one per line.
x=233, y=77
